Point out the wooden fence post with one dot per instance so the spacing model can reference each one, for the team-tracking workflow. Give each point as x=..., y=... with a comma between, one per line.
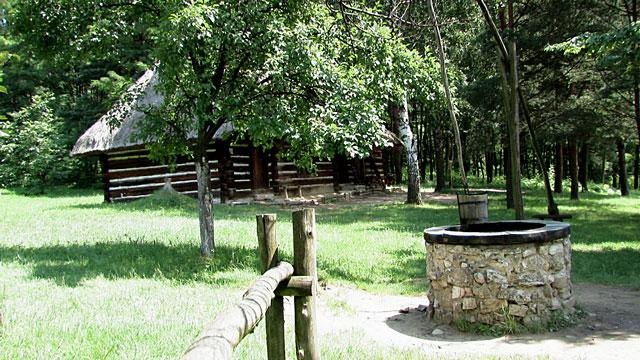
x=304, y=260
x=274, y=318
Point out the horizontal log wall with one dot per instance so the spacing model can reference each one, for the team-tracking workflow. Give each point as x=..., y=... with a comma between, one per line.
x=132, y=175
x=290, y=176
x=241, y=182
x=370, y=171
x=374, y=168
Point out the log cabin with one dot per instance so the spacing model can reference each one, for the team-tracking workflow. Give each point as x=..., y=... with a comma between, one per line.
x=239, y=170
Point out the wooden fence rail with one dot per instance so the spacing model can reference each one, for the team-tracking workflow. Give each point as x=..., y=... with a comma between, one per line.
x=227, y=330
x=265, y=298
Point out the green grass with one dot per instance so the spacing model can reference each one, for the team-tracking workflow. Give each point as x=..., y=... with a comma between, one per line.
x=87, y=280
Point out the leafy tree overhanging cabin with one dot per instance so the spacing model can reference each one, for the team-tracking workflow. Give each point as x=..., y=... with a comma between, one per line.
x=239, y=170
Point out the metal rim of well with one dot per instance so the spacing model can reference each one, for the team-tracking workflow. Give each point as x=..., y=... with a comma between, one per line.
x=552, y=230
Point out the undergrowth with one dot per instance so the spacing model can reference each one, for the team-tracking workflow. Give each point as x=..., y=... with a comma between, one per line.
x=560, y=319
x=557, y=321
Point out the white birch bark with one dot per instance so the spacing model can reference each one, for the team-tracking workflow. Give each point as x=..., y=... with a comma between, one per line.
x=413, y=169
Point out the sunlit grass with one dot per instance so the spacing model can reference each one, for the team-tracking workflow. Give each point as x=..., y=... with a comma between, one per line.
x=82, y=279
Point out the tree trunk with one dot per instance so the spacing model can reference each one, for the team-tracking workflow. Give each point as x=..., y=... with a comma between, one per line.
x=507, y=174
x=432, y=152
x=397, y=153
x=440, y=159
x=558, y=168
x=552, y=207
x=636, y=103
x=573, y=167
x=636, y=107
x=499, y=164
x=447, y=90
x=490, y=159
x=583, y=169
x=509, y=69
x=514, y=133
x=524, y=159
x=603, y=166
x=622, y=169
x=413, y=170
x=424, y=141
x=636, y=164
x=205, y=202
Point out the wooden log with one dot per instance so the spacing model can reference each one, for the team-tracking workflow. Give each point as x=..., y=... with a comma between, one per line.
x=225, y=168
x=304, y=259
x=228, y=329
x=160, y=170
x=268, y=246
x=104, y=167
x=297, y=286
x=289, y=166
x=146, y=190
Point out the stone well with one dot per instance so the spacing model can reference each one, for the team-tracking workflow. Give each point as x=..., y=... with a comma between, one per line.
x=487, y=270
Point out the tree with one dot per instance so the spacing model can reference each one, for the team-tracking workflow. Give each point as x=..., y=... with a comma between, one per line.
x=509, y=70
x=401, y=115
x=615, y=52
x=447, y=90
x=276, y=70
x=31, y=156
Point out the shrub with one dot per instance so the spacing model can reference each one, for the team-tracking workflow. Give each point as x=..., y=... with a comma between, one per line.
x=35, y=153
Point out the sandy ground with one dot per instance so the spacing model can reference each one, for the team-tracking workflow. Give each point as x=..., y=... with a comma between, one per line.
x=610, y=331
x=392, y=196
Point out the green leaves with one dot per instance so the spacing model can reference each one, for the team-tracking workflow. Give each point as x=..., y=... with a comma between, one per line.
x=616, y=49
x=35, y=154
x=288, y=72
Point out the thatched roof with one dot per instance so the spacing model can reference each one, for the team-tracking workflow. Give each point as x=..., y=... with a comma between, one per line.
x=102, y=138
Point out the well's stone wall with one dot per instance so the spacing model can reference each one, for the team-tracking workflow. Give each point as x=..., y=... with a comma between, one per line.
x=485, y=282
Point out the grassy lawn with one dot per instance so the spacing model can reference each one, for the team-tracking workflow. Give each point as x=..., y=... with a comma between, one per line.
x=82, y=279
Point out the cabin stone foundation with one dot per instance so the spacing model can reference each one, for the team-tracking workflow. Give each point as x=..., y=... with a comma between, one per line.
x=487, y=282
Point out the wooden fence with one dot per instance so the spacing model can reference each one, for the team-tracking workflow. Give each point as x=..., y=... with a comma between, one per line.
x=265, y=298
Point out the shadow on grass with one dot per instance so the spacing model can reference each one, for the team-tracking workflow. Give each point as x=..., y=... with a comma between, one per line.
x=418, y=325
x=69, y=265
x=398, y=217
x=609, y=266
x=55, y=192
x=594, y=223
x=187, y=207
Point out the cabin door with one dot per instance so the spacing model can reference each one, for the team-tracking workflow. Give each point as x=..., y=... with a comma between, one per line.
x=259, y=175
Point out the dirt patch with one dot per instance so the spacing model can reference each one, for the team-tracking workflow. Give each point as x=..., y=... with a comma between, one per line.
x=396, y=196
x=610, y=331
